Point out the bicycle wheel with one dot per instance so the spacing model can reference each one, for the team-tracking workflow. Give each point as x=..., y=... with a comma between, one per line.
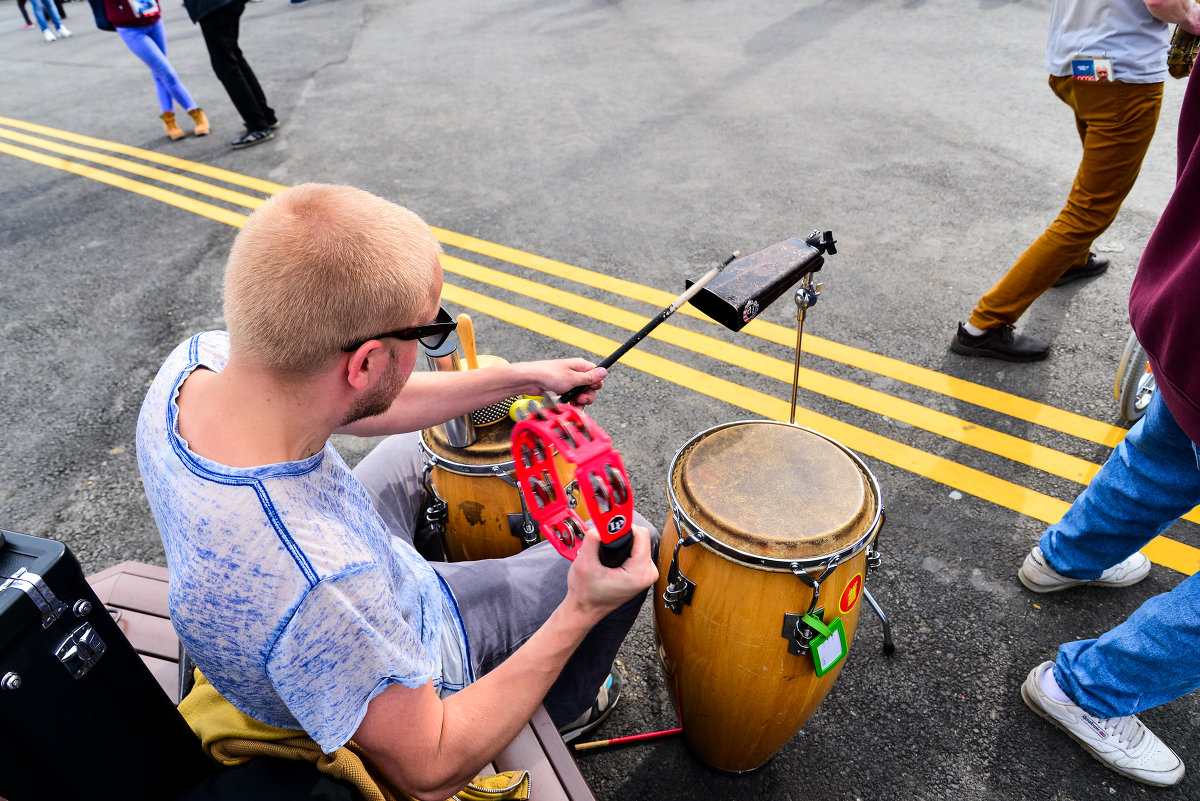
x=1135, y=385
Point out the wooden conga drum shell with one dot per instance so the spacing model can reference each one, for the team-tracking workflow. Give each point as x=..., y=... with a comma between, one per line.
x=478, y=502
x=739, y=692
x=755, y=485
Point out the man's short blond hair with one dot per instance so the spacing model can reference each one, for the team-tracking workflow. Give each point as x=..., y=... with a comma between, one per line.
x=318, y=267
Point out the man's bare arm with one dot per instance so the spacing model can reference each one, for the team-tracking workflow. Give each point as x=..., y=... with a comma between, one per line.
x=431, y=748
x=1185, y=13
x=431, y=398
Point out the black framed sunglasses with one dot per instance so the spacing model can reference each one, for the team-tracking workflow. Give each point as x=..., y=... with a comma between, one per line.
x=431, y=335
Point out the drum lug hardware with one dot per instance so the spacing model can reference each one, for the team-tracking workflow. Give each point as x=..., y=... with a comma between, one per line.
x=523, y=528
x=874, y=559
x=437, y=513
x=813, y=584
x=680, y=588
x=503, y=475
x=520, y=525
x=798, y=633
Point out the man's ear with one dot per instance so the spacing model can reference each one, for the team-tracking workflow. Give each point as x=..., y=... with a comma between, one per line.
x=361, y=365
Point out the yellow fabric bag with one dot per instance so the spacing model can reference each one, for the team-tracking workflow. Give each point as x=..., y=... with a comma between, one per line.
x=231, y=738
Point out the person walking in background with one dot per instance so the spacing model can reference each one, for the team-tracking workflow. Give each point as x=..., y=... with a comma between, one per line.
x=140, y=25
x=1107, y=61
x=24, y=14
x=49, y=20
x=1096, y=688
x=219, y=21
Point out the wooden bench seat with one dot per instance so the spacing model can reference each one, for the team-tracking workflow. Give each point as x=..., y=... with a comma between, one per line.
x=139, y=591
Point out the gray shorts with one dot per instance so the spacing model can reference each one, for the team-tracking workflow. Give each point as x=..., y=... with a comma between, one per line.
x=502, y=602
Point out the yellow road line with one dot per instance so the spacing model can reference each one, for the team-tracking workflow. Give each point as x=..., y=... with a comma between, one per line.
x=1169, y=553
x=137, y=168
x=945, y=425
x=1006, y=403
x=162, y=195
x=229, y=177
x=976, y=394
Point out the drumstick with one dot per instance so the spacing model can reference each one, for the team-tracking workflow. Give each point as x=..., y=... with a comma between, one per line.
x=466, y=335
x=632, y=738
x=687, y=295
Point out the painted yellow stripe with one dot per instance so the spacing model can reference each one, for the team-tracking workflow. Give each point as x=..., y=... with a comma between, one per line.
x=1173, y=554
x=945, y=425
x=128, y=184
x=1169, y=553
x=996, y=400
x=208, y=171
x=1042, y=414
x=137, y=168
x=1163, y=551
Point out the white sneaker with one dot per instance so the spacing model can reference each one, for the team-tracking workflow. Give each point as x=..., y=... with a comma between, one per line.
x=48, y=35
x=1123, y=744
x=63, y=33
x=1038, y=576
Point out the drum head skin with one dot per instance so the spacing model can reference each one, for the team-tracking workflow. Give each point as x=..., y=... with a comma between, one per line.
x=774, y=490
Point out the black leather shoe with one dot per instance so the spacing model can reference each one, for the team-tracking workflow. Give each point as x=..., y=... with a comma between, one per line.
x=999, y=343
x=1095, y=265
x=251, y=138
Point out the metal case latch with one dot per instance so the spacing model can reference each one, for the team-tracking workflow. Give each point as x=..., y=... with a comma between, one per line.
x=32, y=585
x=81, y=650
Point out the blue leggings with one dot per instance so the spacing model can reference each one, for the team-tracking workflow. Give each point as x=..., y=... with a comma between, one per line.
x=149, y=43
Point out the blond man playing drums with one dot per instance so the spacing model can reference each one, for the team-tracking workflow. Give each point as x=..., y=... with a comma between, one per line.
x=294, y=583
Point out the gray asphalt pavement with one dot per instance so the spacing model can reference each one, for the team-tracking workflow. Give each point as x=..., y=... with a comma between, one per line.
x=645, y=141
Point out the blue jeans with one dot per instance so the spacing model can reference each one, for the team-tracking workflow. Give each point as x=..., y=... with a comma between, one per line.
x=1149, y=481
x=149, y=43
x=502, y=601
x=43, y=9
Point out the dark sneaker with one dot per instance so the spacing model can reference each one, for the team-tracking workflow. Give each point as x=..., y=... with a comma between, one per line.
x=1096, y=265
x=999, y=343
x=602, y=707
x=251, y=138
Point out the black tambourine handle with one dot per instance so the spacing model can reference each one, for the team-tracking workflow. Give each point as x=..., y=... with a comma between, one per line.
x=614, y=554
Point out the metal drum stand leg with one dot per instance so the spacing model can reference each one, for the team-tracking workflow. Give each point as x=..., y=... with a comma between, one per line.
x=806, y=298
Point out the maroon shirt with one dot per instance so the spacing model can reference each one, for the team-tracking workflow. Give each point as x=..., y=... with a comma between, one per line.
x=1164, y=305
x=121, y=15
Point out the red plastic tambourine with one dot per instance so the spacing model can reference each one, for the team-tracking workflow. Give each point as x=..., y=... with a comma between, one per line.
x=544, y=430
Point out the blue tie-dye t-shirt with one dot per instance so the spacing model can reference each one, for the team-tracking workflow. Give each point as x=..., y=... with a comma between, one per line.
x=285, y=585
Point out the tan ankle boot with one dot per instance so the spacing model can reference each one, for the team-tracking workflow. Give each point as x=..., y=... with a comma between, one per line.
x=197, y=115
x=173, y=130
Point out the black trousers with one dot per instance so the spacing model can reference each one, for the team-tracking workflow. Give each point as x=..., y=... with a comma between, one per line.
x=220, y=30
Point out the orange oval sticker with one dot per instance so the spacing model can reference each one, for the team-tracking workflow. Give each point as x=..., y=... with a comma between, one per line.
x=850, y=595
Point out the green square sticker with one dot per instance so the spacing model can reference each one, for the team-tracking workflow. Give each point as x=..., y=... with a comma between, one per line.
x=829, y=646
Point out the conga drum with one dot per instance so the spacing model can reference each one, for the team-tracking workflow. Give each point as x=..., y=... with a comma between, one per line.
x=485, y=517
x=770, y=528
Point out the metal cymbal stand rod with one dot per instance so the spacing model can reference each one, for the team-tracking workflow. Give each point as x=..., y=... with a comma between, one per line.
x=806, y=298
